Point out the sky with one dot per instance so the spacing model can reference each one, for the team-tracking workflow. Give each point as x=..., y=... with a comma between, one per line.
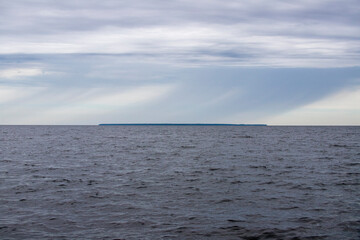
x=207, y=61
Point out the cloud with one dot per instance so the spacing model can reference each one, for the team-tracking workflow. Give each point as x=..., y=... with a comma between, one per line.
x=195, y=44
x=347, y=99
x=256, y=33
x=63, y=106
x=14, y=73
x=340, y=108
x=130, y=97
x=10, y=94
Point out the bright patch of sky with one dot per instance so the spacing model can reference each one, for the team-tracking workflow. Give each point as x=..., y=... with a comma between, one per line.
x=89, y=62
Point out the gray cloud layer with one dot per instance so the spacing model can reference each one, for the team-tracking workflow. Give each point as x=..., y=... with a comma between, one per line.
x=53, y=15
x=246, y=33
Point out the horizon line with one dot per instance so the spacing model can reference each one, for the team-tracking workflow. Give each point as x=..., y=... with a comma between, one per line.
x=230, y=124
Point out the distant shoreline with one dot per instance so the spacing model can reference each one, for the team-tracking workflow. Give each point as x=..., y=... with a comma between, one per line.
x=177, y=124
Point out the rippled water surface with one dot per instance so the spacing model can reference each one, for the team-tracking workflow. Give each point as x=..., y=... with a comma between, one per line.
x=179, y=182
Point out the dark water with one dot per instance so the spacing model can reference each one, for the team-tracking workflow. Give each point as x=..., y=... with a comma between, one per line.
x=179, y=182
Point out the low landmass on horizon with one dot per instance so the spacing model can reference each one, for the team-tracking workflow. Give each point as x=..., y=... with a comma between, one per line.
x=178, y=124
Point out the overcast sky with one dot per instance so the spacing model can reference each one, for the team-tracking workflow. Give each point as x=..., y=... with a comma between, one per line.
x=211, y=61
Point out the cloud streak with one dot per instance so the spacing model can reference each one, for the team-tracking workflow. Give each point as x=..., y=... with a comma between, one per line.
x=14, y=73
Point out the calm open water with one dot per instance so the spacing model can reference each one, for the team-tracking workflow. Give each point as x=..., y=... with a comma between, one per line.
x=179, y=182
